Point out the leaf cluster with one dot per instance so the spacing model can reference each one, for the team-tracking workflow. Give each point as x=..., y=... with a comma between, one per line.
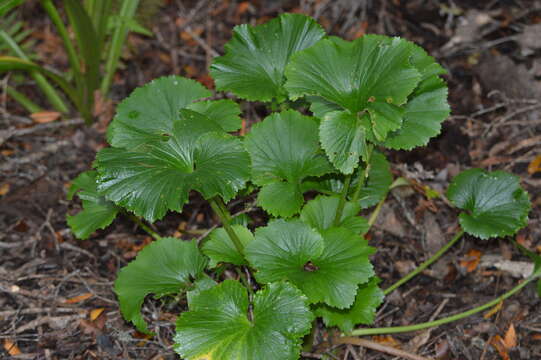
x=315, y=162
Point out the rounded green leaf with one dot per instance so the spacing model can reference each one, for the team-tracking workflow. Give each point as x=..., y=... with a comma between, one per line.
x=255, y=58
x=344, y=140
x=220, y=248
x=158, y=176
x=162, y=267
x=284, y=149
x=320, y=212
x=363, y=311
x=224, y=112
x=494, y=203
x=221, y=324
x=150, y=111
x=371, y=74
x=97, y=213
x=327, y=267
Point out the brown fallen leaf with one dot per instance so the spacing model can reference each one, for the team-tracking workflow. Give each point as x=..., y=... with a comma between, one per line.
x=4, y=189
x=95, y=313
x=535, y=165
x=386, y=340
x=11, y=348
x=45, y=116
x=510, y=338
x=78, y=298
x=497, y=343
x=473, y=257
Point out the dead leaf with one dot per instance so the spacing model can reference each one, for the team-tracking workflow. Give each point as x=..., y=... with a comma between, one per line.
x=95, y=313
x=4, y=189
x=78, y=298
x=535, y=165
x=497, y=342
x=494, y=310
x=386, y=340
x=45, y=116
x=473, y=257
x=11, y=348
x=510, y=339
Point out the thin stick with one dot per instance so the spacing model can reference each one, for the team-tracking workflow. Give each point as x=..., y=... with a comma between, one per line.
x=379, y=347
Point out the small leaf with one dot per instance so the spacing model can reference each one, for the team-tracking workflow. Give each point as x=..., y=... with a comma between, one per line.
x=255, y=58
x=363, y=311
x=224, y=112
x=222, y=325
x=535, y=165
x=327, y=267
x=97, y=213
x=43, y=117
x=220, y=248
x=320, y=213
x=284, y=149
x=344, y=140
x=494, y=203
x=161, y=268
x=151, y=110
x=158, y=176
x=374, y=189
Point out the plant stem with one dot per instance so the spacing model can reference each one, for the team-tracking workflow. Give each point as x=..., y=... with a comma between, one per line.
x=144, y=226
x=375, y=213
x=127, y=11
x=425, y=264
x=342, y=201
x=421, y=326
x=28, y=104
x=41, y=80
x=360, y=184
x=220, y=209
x=63, y=32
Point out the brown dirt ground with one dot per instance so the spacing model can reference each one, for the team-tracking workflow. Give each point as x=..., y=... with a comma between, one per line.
x=492, y=52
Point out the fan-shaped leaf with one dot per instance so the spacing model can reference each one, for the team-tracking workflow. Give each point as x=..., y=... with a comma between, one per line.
x=150, y=111
x=284, y=149
x=97, y=213
x=255, y=59
x=320, y=212
x=220, y=248
x=494, y=203
x=161, y=268
x=157, y=177
x=221, y=325
x=372, y=74
x=363, y=311
x=327, y=267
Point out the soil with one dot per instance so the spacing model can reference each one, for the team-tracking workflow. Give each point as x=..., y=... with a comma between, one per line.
x=52, y=286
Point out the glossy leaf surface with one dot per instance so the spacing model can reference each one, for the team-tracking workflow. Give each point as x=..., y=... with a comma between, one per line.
x=495, y=205
x=221, y=325
x=162, y=267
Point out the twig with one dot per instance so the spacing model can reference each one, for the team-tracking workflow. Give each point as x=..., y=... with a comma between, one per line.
x=34, y=157
x=379, y=347
x=11, y=132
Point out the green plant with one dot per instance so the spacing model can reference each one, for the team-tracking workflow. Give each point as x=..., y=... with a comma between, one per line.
x=311, y=259
x=100, y=34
